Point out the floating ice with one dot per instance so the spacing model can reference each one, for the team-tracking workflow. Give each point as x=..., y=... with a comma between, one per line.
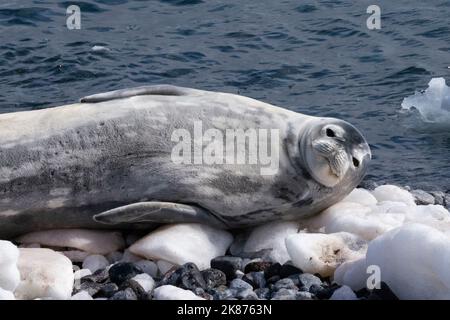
x=433, y=104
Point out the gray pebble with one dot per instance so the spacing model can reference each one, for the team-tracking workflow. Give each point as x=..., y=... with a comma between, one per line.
x=263, y=293
x=302, y=295
x=306, y=280
x=285, y=283
x=214, y=278
x=221, y=293
x=285, y=294
x=127, y=294
x=256, y=279
x=228, y=265
x=240, y=285
x=439, y=197
x=422, y=198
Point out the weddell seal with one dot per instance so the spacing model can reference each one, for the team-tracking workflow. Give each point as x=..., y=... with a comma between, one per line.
x=137, y=158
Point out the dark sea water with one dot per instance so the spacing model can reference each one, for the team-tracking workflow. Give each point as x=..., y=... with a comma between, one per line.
x=314, y=57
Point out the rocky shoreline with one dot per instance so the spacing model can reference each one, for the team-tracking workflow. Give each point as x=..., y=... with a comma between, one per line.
x=404, y=232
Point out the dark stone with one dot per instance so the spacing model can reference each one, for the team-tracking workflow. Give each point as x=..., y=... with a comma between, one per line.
x=263, y=293
x=272, y=270
x=228, y=265
x=323, y=292
x=127, y=294
x=187, y=277
x=222, y=293
x=90, y=287
x=123, y=271
x=384, y=293
x=303, y=295
x=285, y=283
x=273, y=279
x=368, y=184
x=247, y=295
x=107, y=290
x=256, y=279
x=136, y=287
x=284, y=294
x=306, y=280
x=191, y=278
x=288, y=269
x=201, y=293
x=171, y=277
x=422, y=198
x=214, y=278
x=256, y=266
x=439, y=197
x=99, y=276
x=240, y=285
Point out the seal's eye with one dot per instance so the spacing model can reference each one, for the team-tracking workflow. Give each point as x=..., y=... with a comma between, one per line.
x=330, y=133
x=355, y=162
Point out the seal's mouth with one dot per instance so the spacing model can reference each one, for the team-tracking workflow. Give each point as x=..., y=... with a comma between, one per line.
x=335, y=155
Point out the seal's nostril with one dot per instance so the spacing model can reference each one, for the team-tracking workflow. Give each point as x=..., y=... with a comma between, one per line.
x=330, y=133
x=355, y=162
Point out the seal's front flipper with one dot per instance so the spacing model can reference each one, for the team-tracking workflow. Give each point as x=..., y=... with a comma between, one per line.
x=158, y=212
x=161, y=90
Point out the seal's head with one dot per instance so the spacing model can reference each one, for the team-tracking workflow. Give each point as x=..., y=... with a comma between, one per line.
x=334, y=151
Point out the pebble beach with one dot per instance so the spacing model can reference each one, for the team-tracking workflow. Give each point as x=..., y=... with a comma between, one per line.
x=379, y=243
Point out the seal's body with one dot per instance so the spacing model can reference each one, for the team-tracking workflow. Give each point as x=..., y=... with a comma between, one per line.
x=109, y=161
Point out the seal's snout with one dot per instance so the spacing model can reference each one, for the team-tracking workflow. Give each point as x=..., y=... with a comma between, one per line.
x=334, y=153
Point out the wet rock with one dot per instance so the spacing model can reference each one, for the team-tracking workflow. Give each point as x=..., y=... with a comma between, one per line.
x=272, y=270
x=222, y=293
x=139, y=291
x=123, y=271
x=273, y=279
x=422, y=198
x=306, y=280
x=285, y=283
x=256, y=279
x=92, y=288
x=302, y=295
x=255, y=266
x=191, y=278
x=203, y=294
x=284, y=294
x=214, y=278
x=149, y=267
x=98, y=276
x=107, y=290
x=247, y=295
x=439, y=197
x=127, y=294
x=323, y=292
x=228, y=265
x=263, y=293
x=240, y=285
x=288, y=269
